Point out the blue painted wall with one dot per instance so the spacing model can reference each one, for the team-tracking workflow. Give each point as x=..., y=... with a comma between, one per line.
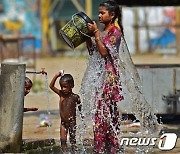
x=25, y=12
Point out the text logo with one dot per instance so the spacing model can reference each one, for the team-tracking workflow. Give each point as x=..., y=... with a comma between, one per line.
x=138, y=141
x=167, y=141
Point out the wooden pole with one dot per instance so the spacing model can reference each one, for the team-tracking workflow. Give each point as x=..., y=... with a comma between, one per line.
x=177, y=19
x=136, y=30
x=45, y=6
x=88, y=8
x=147, y=29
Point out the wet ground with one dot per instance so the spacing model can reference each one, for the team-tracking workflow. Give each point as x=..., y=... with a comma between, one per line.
x=128, y=128
x=76, y=66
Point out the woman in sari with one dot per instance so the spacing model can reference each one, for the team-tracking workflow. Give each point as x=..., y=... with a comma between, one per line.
x=106, y=117
x=101, y=87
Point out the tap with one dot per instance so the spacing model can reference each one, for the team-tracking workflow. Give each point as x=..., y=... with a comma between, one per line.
x=43, y=72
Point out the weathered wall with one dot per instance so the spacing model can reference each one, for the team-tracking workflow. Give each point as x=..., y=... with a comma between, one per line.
x=11, y=106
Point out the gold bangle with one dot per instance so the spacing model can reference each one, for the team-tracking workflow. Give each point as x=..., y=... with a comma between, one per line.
x=95, y=31
x=97, y=39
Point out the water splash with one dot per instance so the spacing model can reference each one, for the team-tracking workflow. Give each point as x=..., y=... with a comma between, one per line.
x=131, y=90
x=141, y=108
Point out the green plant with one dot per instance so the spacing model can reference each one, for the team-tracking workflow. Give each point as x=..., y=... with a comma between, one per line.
x=38, y=86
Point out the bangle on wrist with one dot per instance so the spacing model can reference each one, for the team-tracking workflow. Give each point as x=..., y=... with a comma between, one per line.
x=97, y=39
x=95, y=31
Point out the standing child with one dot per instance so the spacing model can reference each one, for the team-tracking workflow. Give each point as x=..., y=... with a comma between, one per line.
x=28, y=86
x=67, y=108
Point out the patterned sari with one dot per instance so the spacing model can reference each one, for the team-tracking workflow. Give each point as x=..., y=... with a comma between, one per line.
x=106, y=82
x=106, y=128
x=102, y=82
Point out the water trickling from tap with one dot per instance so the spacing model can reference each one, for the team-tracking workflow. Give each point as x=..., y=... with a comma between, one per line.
x=48, y=107
x=47, y=94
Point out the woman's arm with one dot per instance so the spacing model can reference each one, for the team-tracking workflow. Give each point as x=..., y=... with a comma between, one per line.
x=101, y=48
x=51, y=85
x=89, y=45
x=89, y=42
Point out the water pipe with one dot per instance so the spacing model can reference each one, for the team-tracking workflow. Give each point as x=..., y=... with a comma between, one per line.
x=38, y=72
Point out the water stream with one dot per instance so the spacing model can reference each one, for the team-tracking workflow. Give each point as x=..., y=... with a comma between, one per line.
x=48, y=108
x=132, y=91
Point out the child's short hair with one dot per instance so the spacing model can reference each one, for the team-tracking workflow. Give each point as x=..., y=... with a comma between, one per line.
x=27, y=80
x=67, y=78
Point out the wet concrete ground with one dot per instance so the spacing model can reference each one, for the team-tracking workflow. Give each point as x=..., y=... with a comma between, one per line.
x=33, y=131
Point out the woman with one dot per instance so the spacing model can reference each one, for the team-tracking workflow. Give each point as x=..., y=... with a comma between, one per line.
x=106, y=114
x=102, y=82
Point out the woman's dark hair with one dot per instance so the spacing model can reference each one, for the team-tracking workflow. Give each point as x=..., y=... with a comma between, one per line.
x=27, y=80
x=112, y=6
x=67, y=78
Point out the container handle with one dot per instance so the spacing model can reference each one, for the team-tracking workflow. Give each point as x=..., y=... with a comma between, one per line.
x=77, y=28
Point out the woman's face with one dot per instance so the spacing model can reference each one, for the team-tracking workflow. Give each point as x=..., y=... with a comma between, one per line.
x=104, y=16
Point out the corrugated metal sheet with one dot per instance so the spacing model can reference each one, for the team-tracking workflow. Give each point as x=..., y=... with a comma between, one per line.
x=158, y=81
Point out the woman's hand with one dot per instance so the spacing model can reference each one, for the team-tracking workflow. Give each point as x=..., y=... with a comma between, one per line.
x=92, y=27
x=89, y=42
x=101, y=48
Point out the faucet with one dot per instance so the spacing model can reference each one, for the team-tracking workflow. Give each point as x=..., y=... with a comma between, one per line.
x=42, y=71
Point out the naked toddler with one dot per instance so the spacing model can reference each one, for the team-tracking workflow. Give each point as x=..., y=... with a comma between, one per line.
x=67, y=108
